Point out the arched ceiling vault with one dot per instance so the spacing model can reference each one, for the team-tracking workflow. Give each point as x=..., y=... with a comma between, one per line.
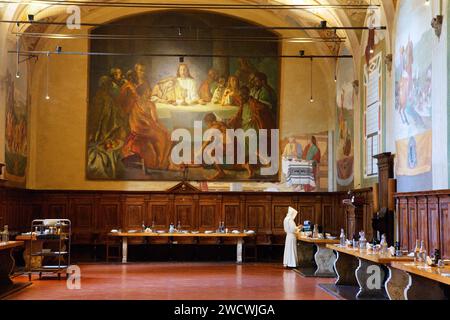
x=311, y=17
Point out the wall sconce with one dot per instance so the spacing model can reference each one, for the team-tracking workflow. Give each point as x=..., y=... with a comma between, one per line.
x=438, y=19
x=388, y=61
x=436, y=23
x=356, y=86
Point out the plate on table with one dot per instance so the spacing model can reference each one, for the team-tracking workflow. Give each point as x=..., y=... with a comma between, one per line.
x=132, y=231
x=208, y=232
x=114, y=231
x=160, y=231
x=195, y=232
x=235, y=231
x=249, y=231
x=331, y=238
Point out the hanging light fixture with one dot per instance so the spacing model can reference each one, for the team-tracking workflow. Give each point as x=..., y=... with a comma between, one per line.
x=311, y=79
x=47, y=97
x=335, y=70
x=18, y=57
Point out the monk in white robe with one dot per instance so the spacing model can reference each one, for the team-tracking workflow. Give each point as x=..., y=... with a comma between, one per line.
x=290, y=248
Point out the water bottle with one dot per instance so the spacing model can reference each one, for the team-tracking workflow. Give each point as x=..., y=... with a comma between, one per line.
x=423, y=253
x=342, y=238
x=5, y=234
x=417, y=252
x=384, y=245
x=362, y=241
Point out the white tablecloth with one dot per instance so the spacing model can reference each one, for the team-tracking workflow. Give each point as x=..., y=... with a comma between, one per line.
x=298, y=172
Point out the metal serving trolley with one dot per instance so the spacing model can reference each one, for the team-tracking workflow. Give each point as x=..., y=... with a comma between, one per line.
x=54, y=236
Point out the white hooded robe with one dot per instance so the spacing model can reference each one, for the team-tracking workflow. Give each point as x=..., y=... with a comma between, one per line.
x=290, y=248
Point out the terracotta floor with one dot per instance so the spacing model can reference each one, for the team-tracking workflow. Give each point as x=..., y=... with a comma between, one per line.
x=202, y=281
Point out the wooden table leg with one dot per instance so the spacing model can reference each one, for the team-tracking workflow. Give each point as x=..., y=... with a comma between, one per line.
x=305, y=255
x=6, y=267
x=7, y=286
x=371, y=278
x=239, y=250
x=124, y=249
x=420, y=288
x=325, y=259
x=346, y=285
x=396, y=284
x=345, y=266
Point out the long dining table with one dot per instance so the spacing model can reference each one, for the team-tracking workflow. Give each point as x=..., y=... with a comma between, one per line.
x=171, y=235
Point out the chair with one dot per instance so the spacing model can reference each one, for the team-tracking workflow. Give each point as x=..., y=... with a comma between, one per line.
x=114, y=245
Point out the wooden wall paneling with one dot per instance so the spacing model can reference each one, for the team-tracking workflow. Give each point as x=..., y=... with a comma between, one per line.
x=209, y=215
x=232, y=213
x=56, y=207
x=433, y=223
x=328, y=224
x=109, y=215
x=422, y=221
x=185, y=210
x=306, y=209
x=159, y=211
x=258, y=217
x=82, y=215
x=444, y=203
x=403, y=223
x=339, y=215
x=279, y=209
x=134, y=213
x=412, y=222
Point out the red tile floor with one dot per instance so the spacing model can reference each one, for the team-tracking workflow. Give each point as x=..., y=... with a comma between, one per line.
x=192, y=281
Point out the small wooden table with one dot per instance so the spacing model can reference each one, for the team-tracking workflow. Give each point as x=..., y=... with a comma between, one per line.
x=423, y=282
x=125, y=235
x=318, y=264
x=7, y=262
x=361, y=275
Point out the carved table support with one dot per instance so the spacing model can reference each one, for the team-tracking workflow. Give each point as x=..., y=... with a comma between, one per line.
x=345, y=266
x=420, y=288
x=6, y=267
x=7, y=262
x=396, y=284
x=370, y=277
x=305, y=254
x=325, y=259
x=239, y=243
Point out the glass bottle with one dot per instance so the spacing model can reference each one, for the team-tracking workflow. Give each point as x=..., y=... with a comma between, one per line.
x=153, y=224
x=398, y=250
x=423, y=252
x=416, y=252
x=383, y=244
x=342, y=238
x=316, y=231
x=143, y=226
x=436, y=256
x=179, y=226
x=362, y=241
x=5, y=234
